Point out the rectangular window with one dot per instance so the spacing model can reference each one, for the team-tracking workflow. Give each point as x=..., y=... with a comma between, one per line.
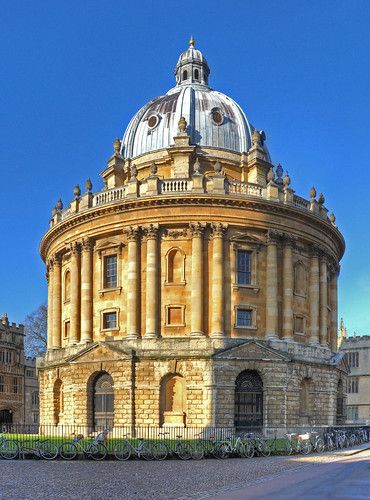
x=244, y=260
x=1, y=383
x=352, y=413
x=67, y=329
x=110, y=271
x=353, y=359
x=29, y=373
x=109, y=320
x=175, y=316
x=352, y=385
x=15, y=385
x=244, y=317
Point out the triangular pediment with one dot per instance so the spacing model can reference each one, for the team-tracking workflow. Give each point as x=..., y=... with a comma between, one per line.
x=100, y=351
x=247, y=237
x=110, y=242
x=340, y=361
x=252, y=349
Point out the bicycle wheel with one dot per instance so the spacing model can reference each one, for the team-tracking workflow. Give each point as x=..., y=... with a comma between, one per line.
x=48, y=450
x=319, y=445
x=288, y=448
x=122, y=451
x=197, y=451
x=68, y=451
x=97, y=451
x=248, y=449
x=223, y=450
x=265, y=449
x=9, y=450
x=160, y=451
x=146, y=451
x=305, y=447
x=329, y=444
x=183, y=451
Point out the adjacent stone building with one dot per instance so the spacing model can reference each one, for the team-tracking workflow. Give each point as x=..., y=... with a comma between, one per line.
x=196, y=288
x=19, y=392
x=357, y=354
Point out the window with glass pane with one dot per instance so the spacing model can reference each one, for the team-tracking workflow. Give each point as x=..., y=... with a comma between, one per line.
x=109, y=320
x=1, y=383
x=243, y=317
x=110, y=271
x=15, y=385
x=243, y=267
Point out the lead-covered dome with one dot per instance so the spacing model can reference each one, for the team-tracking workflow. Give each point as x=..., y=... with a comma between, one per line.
x=213, y=119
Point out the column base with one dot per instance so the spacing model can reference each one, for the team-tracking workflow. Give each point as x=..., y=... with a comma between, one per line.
x=217, y=335
x=151, y=335
x=314, y=342
x=132, y=336
x=288, y=339
x=85, y=341
x=197, y=334
x=271, y=336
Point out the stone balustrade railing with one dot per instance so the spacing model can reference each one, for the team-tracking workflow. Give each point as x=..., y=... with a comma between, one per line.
x=139, y=189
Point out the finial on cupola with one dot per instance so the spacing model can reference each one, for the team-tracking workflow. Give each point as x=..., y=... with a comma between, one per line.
x=191, y=42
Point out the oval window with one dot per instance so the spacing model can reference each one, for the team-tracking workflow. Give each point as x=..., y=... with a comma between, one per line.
x=153, y=121
x=217, y=116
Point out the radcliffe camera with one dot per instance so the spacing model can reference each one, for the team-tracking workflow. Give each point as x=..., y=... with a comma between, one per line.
x=195, y=289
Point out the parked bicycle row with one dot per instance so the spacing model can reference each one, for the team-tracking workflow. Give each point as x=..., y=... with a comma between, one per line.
x=245, y=445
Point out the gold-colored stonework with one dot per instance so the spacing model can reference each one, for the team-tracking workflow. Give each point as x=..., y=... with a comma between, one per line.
x=192, y=324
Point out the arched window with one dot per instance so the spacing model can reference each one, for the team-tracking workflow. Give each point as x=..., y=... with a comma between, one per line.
x=67, y=285
x=305, y=407
x=300, y=279
x=58, y=401
x=103, y=401
x=185, y=75
x=249, y=401
x=173, y=400
x=196, y=74
x=340, y=404
x=175, y=266
x=6, y=416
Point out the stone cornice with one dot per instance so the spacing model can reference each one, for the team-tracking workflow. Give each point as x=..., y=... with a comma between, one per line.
x=259, y=205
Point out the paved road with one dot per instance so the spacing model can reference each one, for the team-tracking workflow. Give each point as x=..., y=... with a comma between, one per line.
x=170, y=480
x=344, y=479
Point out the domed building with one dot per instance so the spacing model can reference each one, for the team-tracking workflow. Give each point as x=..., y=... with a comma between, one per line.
x=195, y=288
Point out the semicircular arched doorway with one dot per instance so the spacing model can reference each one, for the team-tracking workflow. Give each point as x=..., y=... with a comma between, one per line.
x=249, y=401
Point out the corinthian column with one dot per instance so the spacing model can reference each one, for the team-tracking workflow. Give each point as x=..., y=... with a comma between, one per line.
x=197, y=300
x=50, y=279
x=57, y=302
x=323, y=301
x=75, y=293
x=87, y=291
x=132, y=307
x=271, y=286
x=217, y=325
x=334, y=309
x=151, y=282
x=314, y=291
x=288, y=285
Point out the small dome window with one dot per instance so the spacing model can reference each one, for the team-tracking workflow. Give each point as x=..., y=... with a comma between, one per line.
x=217, y=116
x=153, y=121
x=185, y=75
x=196, y=74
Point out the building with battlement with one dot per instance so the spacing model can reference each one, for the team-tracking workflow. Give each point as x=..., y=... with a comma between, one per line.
x=19, y=392
x=357, y=353
x=196, y=287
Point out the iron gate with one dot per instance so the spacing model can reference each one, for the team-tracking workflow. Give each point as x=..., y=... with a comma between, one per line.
x=249, y=401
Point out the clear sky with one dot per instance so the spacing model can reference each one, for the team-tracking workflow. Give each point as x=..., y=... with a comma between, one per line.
x=74, y=72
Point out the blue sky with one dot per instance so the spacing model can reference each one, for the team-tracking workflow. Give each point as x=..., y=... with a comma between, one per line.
x=74, y=72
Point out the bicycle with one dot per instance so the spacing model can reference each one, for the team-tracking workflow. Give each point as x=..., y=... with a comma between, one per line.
x=317, y=443
x=143, y=449
x=236, y=446
x=182, y=448
x=260, y=444
x=9, y=449
x=300, y=443
x=280, y=446
x=96, y=449
x=39, y=448
x=207, y=446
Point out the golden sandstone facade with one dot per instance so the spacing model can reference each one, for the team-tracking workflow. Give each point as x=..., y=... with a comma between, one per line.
x=195, y=289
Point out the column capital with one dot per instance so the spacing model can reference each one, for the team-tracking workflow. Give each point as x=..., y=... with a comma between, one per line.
x=273, y=237
x=314, y=250
x=132, y=233
x=288, y=240
x=57, y=260
x=151, y=232
x=218, y=230
x=87, y=244
x=75, y=248
x=197, y=229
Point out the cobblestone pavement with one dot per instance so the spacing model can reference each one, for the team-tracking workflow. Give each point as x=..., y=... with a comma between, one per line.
x=172, y=479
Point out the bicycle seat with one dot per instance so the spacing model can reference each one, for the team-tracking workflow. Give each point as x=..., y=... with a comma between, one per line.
x=178, y=437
